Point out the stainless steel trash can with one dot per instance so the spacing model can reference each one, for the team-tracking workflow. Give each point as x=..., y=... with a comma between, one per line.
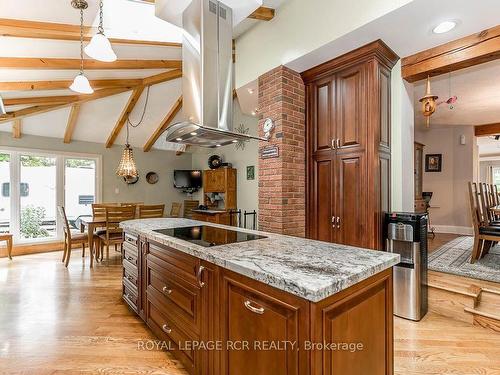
x=406, y=235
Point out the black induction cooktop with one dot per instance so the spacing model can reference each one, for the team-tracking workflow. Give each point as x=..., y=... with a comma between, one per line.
x=208, y=236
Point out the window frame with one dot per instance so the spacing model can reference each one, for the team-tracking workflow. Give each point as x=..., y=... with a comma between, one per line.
x=15, y=175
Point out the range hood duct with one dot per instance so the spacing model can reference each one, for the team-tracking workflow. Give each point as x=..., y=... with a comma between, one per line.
x=207, y=79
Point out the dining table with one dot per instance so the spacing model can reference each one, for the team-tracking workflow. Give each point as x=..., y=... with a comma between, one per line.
x=91, y=223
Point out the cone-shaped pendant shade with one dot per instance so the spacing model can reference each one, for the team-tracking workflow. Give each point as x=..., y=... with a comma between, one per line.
x=127, y=167
x=81, y=84
x=100, y=49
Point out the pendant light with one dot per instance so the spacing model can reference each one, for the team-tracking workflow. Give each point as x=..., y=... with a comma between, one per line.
x=127, y=167
x=99, y=47
x=81, y=83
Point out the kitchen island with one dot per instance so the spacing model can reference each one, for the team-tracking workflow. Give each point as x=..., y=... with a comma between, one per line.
x=272, y=305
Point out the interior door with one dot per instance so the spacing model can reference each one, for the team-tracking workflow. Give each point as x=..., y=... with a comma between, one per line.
x=351, y=198
x=351, y=117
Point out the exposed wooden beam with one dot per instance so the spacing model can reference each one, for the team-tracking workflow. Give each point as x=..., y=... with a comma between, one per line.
x=30, y=111
x=162, y=77
x=488, y=129
x=132, y=101
x=72, y=119
x=164, y=124
x=263, y=14
x=461, y=53
x=74, y=64
x=64, y=84
x=17, y=128
x=48, y=100
x=60, y=31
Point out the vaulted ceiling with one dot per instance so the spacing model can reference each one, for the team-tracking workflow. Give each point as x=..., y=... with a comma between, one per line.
x=39, y=52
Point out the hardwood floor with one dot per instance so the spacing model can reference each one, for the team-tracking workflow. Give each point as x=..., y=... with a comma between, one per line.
x=439, y=240
x=55, y=320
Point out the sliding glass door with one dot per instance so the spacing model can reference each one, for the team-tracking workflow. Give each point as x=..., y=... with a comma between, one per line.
x=33, y=184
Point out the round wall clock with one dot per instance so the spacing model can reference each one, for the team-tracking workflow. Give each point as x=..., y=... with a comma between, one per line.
x=268, y=126
x=152, y=178
x=214, y=161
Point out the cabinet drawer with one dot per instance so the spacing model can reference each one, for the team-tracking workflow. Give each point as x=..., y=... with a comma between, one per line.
x=179, y=301
x=178, y=340
x=129, y=295
x=131, y=278
x=130, y=255
x=131, y=239
x=183, y=265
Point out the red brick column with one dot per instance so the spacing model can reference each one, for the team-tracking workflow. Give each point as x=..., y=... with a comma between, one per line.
x=282, y=179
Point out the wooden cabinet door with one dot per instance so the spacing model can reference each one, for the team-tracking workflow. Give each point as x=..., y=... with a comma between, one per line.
x=351, y=118
x=323, y=198
x=251, y=315
x=323, y=114
x=214, y=181
x=350, y=206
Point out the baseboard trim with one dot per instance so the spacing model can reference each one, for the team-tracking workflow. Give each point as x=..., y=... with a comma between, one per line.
x=466, y=231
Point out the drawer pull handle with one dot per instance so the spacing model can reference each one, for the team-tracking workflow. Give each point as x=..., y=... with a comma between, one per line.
x=257, y=310
x=165, y=290
x=166, y=328
x=199, y=276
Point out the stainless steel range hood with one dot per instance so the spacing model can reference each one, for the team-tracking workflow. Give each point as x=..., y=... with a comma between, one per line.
x=207, y=81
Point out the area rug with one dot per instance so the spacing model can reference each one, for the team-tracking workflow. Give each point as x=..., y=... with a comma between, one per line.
x=454, y=258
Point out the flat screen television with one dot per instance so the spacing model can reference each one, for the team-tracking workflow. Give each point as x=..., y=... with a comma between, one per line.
x=187, y=179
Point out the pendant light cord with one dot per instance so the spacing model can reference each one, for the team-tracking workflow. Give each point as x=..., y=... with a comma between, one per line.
x=142, y=116
x=81, y=40
x=101, y=17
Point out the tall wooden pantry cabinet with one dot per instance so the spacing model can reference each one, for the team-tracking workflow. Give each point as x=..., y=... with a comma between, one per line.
x=348, y=113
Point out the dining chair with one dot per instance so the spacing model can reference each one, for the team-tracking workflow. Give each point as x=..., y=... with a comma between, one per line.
x=485, y=236
x=151, y=211
x=113, y=234
x=99, y=209
x=7, y=237
x=175, y=210
x=189, y=206
x=71, y=238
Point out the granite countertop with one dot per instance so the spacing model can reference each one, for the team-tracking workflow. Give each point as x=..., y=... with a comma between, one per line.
x=310, y=269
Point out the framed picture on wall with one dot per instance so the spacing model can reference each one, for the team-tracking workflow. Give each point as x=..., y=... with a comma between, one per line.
x=251, y=172
x=433, y=162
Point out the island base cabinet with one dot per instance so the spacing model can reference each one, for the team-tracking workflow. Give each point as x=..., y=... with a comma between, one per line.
x=262, y=328
x=362, y=318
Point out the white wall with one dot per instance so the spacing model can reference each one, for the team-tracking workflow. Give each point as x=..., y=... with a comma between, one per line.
x=299, y=28
x=247, y=190
x=450, y=210
x=402, y=138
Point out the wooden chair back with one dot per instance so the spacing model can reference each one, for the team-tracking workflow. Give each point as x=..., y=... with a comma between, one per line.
x=189, y=206
x=115, y=215
x=151, y=211
x=66, y=227
x=484, y=204
x=495, y=195
x=175, y=210
x=475, y=207
x=99, y=209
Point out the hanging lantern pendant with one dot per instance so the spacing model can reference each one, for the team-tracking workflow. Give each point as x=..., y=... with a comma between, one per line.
x=127, y=167
x=428, y=103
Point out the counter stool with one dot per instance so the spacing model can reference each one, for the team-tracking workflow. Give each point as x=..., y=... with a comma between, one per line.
x=8, y=238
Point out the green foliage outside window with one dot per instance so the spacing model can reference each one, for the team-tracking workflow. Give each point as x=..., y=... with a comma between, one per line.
x=31, y=222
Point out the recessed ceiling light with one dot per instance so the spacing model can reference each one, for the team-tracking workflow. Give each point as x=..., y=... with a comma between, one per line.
x=193, y=133
x=235, y=141
x=444, y=27
x=253, y=113
x=250, y=91
x=217, y=145
x=178, y=139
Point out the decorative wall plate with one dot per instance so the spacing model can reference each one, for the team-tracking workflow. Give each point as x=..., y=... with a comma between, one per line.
x=131, y=180
x=152, y=178
x=214, y=161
